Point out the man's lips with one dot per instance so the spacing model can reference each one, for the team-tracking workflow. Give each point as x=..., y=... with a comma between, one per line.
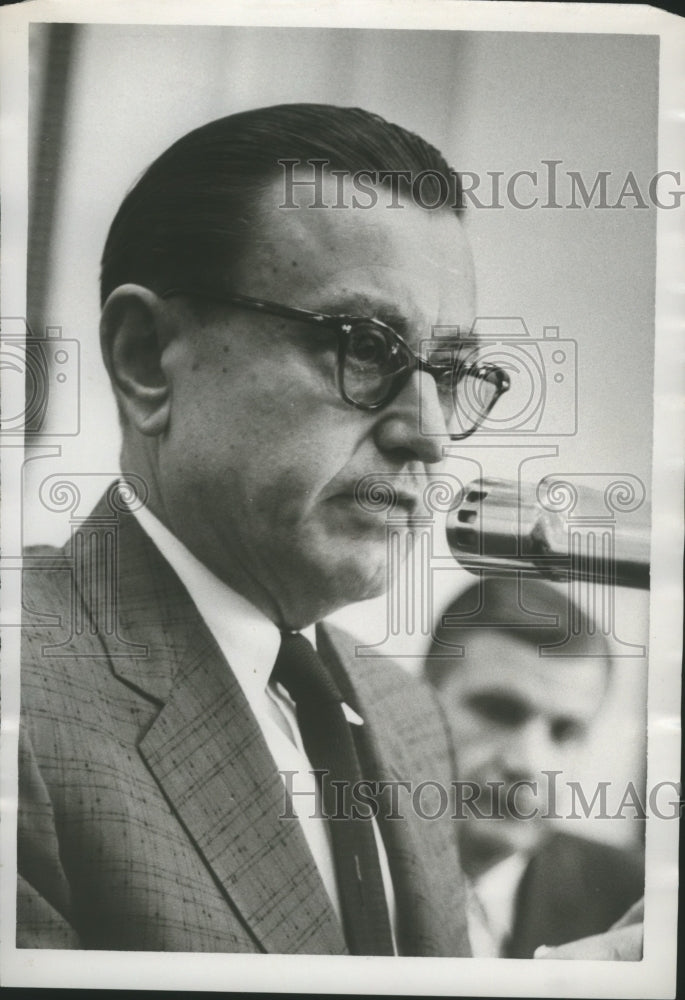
x=505, y=800
x=380, y=504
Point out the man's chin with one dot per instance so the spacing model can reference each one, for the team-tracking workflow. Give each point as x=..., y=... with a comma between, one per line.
x=492, y=840
x=351, y=579
x=333, y=576
x=511, y=836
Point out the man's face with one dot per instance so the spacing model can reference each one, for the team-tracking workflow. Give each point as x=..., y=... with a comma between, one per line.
x=262, y=455
x=515, y=715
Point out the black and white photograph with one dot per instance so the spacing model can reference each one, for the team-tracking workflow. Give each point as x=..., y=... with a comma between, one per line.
x=342, y=435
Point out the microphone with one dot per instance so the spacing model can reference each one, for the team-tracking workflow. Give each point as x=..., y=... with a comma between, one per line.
x=556, y=530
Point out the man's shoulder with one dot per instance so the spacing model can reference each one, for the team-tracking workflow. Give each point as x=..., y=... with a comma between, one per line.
x=602, y=863
x=573, y=887
x=37, y=557
x=72, y=611
x=587, y=847
x=47, y=583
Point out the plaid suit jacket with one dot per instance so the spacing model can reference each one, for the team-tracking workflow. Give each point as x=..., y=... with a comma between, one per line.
x=149, y=801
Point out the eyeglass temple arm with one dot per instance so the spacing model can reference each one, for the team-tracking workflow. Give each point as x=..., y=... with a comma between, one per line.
x=288, y=312
x=259, y=305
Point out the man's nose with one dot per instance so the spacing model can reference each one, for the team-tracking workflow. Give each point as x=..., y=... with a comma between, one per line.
x=528, y=751
x=414, y=422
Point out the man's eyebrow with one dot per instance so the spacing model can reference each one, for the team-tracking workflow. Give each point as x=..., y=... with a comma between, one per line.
x=498, y=697
x=570, y=721
x=365, y=307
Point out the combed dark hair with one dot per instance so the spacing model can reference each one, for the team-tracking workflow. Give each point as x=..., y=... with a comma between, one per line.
x=495, y=603
x=188, y=217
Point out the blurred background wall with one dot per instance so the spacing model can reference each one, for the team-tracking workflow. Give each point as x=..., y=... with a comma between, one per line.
x=107, y=99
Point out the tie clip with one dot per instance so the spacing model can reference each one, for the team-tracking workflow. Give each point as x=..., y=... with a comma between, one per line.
x=351, y=715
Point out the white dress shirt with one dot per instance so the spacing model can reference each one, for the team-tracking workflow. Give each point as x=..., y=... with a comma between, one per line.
x=490, y=905
x=250, y=642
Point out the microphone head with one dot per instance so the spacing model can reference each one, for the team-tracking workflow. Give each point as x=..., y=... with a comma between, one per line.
x=500, y=527
x=494, y=525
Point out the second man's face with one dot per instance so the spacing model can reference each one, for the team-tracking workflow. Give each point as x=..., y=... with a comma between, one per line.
x=515, y=715
x=263, y=456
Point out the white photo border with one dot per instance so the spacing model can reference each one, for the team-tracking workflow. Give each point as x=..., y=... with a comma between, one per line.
x=655, y=975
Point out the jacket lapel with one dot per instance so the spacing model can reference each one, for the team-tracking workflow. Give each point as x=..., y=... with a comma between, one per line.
x=207, y=753
x=429, y=900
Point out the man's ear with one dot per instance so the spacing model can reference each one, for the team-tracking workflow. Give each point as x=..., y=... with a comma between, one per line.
x=134, y=330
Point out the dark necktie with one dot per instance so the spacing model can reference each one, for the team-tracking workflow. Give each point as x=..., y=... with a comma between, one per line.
x=329, y=746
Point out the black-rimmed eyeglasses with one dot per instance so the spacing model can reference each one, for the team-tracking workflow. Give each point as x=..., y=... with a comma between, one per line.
x=375, y=363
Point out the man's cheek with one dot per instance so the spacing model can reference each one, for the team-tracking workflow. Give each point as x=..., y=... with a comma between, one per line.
x=473, y=765
x=479, y=753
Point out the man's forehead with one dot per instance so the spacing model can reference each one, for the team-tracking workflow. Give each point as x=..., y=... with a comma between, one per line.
x=417, y=260
x=522, y=671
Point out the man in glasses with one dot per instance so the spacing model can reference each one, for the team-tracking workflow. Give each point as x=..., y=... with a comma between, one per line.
x=191, y=755
x=204, y=766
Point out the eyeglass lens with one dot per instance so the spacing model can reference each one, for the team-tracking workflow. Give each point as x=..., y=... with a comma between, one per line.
x=374, y=362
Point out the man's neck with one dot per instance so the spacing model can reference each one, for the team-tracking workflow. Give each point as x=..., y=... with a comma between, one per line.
x=477, y=858
x=247, y=587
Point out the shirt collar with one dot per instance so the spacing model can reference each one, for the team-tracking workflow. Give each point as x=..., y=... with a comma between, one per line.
x=248, y=639
x=496, y=890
